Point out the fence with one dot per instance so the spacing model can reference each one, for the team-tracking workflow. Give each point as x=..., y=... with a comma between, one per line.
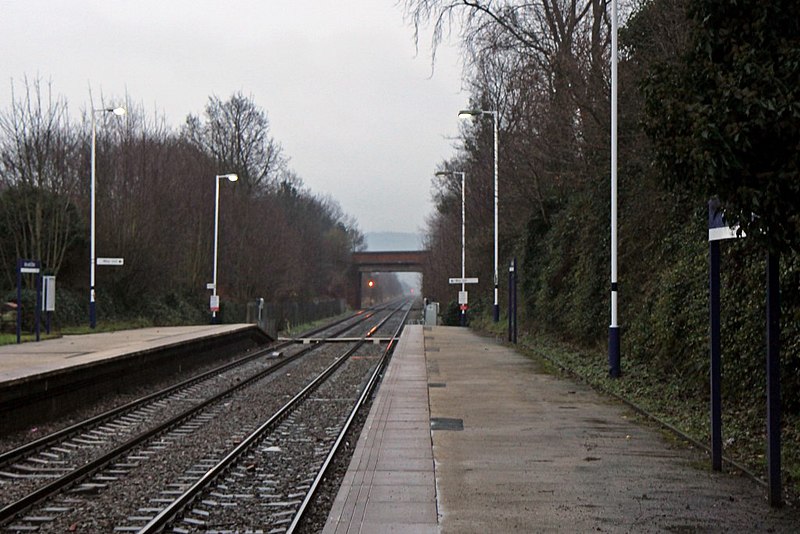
x=281, y=316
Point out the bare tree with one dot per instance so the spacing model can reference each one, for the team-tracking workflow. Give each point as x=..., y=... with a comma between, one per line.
x=236, y=134
x=38, y=177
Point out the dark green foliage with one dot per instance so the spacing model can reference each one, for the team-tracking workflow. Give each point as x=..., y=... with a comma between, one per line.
x=563, y=274
x=709, y=105
x=172, y=309
x=28, y=308
x=451, y=314
x=72, y=307
x=663, y=254
x=726, y=119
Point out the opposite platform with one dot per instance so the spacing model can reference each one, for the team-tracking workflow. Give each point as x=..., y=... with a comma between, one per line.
x=35, y=358
x=45, y=380
x=516, y=449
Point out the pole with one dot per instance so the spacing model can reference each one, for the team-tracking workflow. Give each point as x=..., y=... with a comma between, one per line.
x=19, y=301
x=613, y=330
x=773, y=381
x=463, y=251
x=496, y=196
x=510, y=300
x=716, y=359
x=216, y=244
x=92, y=258
x=38, y=311
x=514, y=338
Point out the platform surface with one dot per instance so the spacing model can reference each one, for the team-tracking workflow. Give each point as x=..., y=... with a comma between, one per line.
x=514, y=449
x=34, y=358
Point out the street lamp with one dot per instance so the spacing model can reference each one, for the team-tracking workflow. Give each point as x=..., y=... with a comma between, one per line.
x=474, y=113
x=613, y=330
x=463, y=271
x=214, y=299
x=92, y=256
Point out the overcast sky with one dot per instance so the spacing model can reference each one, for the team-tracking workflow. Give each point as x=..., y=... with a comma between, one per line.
x=357, y=110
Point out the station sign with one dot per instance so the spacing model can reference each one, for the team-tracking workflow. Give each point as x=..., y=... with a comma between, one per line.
x=462, y=298
x=718, y=229
x=214, y=303
x=110, y=261
x=463, y=280
x=29, y=266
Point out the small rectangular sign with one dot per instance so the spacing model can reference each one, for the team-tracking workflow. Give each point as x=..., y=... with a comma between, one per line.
x=110, y=261
x=214, y=303
x=462, y=297
x=722, y=233
x=211, y=285
x=463, y=280
x=718, y=228
x=48, y=293
x=28, y=266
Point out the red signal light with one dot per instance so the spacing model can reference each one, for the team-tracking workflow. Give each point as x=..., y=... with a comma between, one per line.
x=371, y=283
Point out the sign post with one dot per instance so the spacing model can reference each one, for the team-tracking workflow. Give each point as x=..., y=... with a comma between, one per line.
x=512, y=301
x=773, y=380
x=27, y=267
x=462, y=296
x=718, y=230
x=114, y=262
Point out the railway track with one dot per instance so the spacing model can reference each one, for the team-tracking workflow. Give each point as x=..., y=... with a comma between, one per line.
x=124, y=416
x=78, y=475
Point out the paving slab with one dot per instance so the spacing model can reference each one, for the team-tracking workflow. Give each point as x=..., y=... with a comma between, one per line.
x=390, y=485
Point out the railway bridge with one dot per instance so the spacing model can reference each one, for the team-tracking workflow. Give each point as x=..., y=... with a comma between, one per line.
x=397, y=261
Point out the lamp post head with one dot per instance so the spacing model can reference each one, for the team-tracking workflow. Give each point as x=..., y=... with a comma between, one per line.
x=467, y=113
x=119, y=112
x=232, y=177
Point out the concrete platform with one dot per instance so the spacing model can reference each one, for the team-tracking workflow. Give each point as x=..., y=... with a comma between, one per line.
x=510, y=448
x=390, y=485
x=30, y=359
x=47, y=379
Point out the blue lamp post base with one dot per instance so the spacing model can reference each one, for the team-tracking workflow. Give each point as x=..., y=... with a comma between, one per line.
x=614, y=370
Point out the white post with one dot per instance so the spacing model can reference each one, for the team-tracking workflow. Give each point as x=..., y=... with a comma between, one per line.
x=93, y=256
x=494, y=114
x=463, y=249
x=613, y=332
x=216, y=241
x=92, y=259
x=496, y=196
x=231, y=177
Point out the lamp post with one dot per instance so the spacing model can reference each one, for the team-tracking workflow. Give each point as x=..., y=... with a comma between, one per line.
x=231, y=177
x=614, y=367
x=92, y=255
x=474, y=113
x=463, y=244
